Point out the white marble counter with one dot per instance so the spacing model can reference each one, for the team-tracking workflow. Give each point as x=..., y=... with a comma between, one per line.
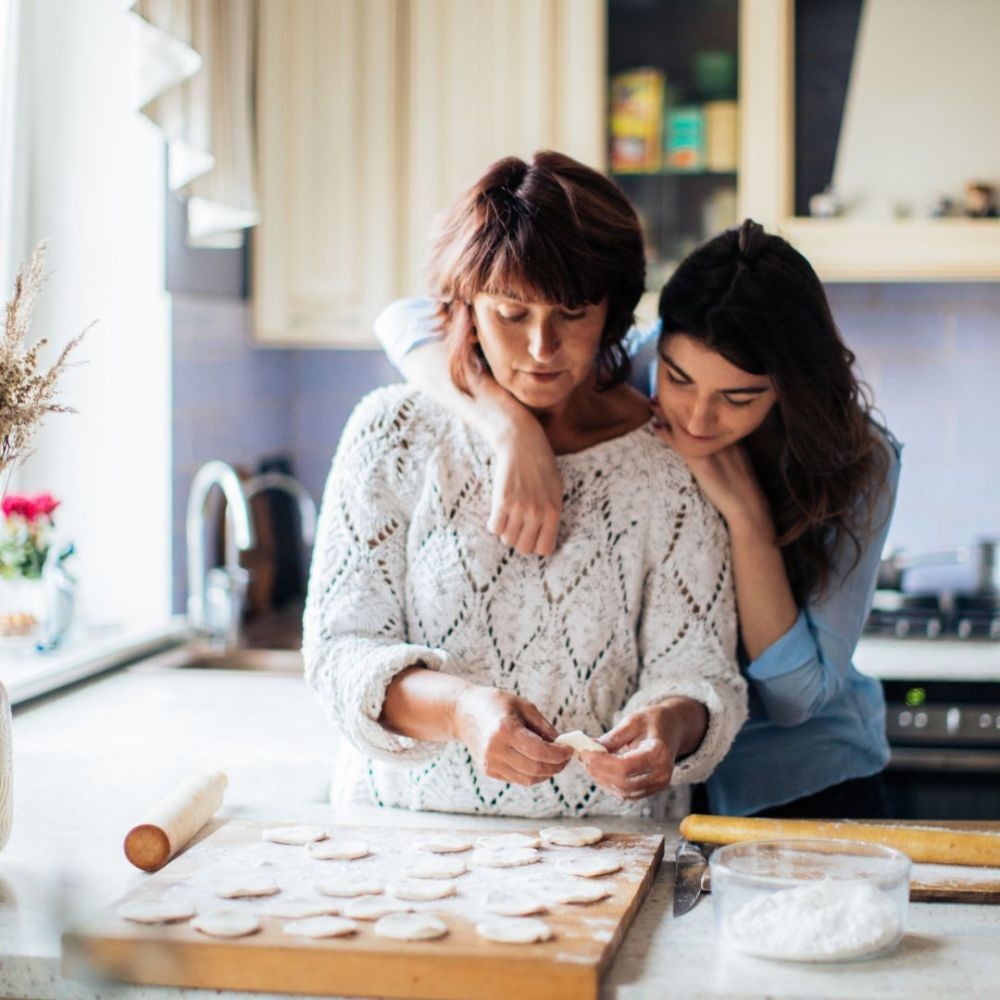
x=89, y=760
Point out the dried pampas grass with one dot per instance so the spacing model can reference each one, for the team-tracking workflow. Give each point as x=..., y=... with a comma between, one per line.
x=26, y=391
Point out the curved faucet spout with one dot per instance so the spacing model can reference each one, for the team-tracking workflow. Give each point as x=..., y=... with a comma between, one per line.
x=211, y=474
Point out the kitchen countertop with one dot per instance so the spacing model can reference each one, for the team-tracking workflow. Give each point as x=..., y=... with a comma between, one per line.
x=89, y=760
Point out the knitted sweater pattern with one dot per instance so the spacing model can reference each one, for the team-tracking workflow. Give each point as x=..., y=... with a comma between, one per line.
x=635, y=605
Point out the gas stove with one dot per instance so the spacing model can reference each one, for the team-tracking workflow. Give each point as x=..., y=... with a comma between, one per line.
x=932, y=616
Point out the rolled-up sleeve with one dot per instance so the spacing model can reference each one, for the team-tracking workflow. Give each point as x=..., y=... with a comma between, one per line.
x=799, y=673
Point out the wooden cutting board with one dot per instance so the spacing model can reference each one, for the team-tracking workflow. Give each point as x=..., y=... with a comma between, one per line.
x=460, y=966
x=954, y=884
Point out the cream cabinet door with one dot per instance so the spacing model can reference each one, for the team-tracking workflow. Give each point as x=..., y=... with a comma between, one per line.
x=375, y=114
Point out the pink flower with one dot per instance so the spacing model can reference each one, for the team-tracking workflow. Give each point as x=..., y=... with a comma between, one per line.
x=29, y=507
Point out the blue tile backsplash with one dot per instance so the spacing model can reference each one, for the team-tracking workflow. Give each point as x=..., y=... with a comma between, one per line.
x=931, y=353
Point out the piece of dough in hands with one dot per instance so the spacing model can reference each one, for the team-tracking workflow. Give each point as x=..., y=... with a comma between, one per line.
x=578, y=740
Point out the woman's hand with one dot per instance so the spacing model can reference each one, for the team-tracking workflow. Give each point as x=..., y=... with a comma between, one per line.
x=644, y=746
x=507, y=736
x=527, y=489
x=727, y=479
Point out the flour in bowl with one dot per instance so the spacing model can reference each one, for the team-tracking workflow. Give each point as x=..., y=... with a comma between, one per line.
x=822, y=922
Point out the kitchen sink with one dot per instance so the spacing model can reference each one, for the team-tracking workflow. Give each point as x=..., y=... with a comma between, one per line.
x=195, y=656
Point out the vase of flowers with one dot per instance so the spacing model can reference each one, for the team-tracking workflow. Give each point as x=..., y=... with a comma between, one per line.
x=25, y=537
x=27, y=396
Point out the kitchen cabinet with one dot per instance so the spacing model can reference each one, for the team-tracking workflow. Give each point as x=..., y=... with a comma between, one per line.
x=904, y=244
x=375, y=114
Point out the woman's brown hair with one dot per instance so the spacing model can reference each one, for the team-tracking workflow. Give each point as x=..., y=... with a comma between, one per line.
x=554, y=230
x=754, y=299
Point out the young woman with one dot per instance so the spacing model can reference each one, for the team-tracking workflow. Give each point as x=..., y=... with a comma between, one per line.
x=453, y=662
x=755, y=391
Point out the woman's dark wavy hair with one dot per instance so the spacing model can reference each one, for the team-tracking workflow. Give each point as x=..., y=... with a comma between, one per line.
x=553, y=230
x=754, y=299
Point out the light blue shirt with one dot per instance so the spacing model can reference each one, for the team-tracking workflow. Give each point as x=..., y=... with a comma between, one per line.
x=815, y=721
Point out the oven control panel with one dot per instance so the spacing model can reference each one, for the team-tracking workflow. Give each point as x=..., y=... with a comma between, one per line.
x=943, y=714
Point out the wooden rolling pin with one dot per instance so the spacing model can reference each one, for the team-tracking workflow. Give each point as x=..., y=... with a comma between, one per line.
x=174, y=820
x=932, y=844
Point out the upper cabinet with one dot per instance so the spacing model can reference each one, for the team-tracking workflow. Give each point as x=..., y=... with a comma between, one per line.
x=376, y=114
x=373, y=115
x=889, y=104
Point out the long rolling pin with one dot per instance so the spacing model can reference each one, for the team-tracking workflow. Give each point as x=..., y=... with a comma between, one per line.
x=935, y=845
x=174, y=820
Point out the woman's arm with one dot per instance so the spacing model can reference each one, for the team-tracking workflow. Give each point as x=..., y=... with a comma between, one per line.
x=691, y=699
x=395, y=699
x=800, y=657
x=527, y=487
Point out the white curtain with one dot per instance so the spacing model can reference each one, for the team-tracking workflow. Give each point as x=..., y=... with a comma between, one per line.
x=194, y=78
x=13, y=144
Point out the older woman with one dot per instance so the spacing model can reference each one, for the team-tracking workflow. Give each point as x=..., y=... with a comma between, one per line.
x=453, y=661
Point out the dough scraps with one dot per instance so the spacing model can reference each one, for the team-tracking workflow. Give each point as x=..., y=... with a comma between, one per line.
x=507, y=841
x=374, y=907
x=573, y=890
x=297, y=908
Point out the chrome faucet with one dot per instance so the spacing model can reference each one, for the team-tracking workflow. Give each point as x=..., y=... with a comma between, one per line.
x=279, y=481
x=215, y=597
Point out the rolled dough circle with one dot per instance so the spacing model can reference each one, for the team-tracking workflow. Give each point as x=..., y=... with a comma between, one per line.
x=339, y=850
x=321, y=927
x=422, y=889
x=294, y=908
x=572, y=836
x=374, y=907
x=349, y=884
x=440, y=867
x=512, y=903
x=411, y=927
x=507, y=841
x=444, y=843
x=226, y=923
x=514, y=930
x=593, y=867
x=510, y=858
x=156, y=911
x=294, y=835
x=241, y=886
x=573, y=890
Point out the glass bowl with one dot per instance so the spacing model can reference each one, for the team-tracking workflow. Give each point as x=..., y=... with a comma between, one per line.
x=810, y=900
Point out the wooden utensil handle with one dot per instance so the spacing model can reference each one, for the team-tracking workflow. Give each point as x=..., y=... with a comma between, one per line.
x=937, y=845
x=174, y=820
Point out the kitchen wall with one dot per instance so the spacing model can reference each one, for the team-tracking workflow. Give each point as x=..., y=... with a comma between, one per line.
x=930, y=352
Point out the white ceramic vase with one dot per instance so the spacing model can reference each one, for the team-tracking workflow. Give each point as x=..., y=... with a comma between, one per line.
x=6, y=766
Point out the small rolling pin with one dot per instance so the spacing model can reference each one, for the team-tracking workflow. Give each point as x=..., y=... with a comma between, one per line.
x=923, y=843
x=174, y=820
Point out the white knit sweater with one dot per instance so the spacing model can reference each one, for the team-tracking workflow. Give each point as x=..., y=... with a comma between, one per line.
x=635, y=605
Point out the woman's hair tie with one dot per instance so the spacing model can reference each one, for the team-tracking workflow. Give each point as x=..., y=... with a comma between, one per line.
x=751, y=241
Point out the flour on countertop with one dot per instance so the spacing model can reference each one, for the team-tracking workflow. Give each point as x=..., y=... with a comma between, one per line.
x=823, y=922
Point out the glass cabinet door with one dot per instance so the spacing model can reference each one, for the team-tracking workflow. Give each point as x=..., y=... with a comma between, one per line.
x=673, y=110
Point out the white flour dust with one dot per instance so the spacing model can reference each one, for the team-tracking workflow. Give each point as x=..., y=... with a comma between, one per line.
x=824, y=922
